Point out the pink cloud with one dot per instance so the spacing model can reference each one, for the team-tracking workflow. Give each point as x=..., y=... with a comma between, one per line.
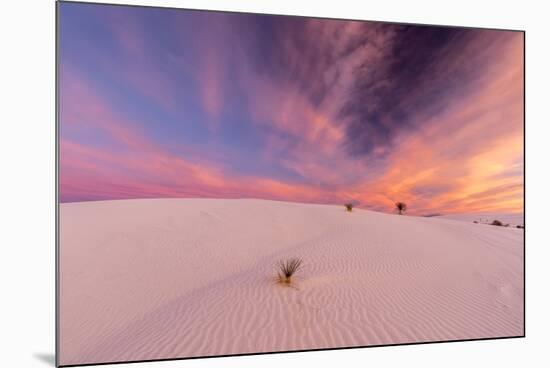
x=211, y=88
x=453, y=164
x=466, y=151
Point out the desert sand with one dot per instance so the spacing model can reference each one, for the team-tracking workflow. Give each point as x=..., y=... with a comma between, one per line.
x=166, y=278
x=512, y=219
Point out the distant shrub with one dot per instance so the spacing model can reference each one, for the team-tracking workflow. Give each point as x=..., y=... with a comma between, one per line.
x=401, y=207
x=520, y=227
x=497, y=223
x=349, y=207
x=475, y=222
x=287, y=269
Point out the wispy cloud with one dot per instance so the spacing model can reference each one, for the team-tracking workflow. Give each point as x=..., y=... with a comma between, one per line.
x=234, y=105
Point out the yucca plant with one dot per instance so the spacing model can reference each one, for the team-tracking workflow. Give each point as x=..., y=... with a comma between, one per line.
x=401, y=207
x=349, y=207
x=287, y=269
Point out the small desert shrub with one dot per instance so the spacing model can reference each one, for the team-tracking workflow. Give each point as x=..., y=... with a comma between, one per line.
x=520, y=226
x=475, y=222
x=287, y=269
x=497, y=223
x=401, y=207
x=349, y=207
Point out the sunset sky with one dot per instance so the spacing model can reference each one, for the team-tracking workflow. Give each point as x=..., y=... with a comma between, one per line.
x=177, y=103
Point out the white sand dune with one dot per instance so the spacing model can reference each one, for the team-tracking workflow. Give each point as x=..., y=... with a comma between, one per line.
x=513, y=219
x=165, y=278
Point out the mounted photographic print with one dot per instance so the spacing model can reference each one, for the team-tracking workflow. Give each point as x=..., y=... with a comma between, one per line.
x=233, y=183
